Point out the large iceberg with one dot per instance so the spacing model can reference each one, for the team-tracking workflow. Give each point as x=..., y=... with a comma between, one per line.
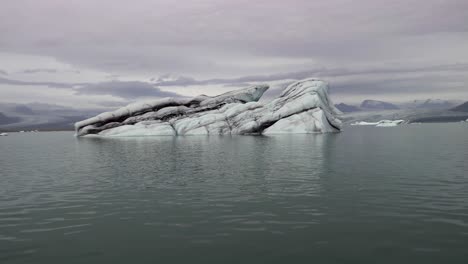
x=303, y=107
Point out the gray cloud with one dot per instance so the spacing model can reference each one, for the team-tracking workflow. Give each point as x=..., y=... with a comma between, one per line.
x=319, y=72
x=204, y=37
x=31, y=83
x=126, y=90
x=112, y=76
x=121, y=89
x=373, y=82
x=237, y=85
x=3, y=72
x=114, y=104
x=40, y=71
x=365, y=81
x=368, y=47
x=46, y=70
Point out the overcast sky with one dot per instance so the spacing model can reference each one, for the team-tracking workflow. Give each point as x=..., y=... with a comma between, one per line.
x=100, y=52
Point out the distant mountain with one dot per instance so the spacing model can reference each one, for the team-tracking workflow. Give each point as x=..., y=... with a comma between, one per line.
x=461, y=108
x=429, y=104
x=22, y=109
x=345, y=108
x=65, y=123
x=5, y=120
x=439, y=119
x=378, y=105
x=31, y=116
x=409, y=115
x=435, y=104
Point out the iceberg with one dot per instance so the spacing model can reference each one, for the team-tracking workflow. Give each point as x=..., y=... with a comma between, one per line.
x=303, y=107
x=390, y=123
x=3, y=134
x=362, y=123
x=381, y=123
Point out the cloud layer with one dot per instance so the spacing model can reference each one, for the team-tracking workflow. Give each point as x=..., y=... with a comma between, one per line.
x=125, y=90
x=366, y=48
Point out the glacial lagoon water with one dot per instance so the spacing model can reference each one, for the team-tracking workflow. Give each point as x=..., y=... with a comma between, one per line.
x=367, y=195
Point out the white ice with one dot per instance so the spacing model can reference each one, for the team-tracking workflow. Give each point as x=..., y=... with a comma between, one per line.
x=303, y=107
x=381, y=123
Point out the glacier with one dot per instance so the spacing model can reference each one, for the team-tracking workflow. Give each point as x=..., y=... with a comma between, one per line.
x=303, y=107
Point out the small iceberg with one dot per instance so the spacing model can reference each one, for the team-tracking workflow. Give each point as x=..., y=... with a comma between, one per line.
x=390, y=123
x=381, y=123
x=362, y=123
x=3, y=134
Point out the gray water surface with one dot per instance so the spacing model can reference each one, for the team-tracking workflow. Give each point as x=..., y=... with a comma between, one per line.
x=367, y=195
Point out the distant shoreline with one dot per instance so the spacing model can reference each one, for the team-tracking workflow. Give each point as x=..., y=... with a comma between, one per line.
x=13, y=130
x=440, y=119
